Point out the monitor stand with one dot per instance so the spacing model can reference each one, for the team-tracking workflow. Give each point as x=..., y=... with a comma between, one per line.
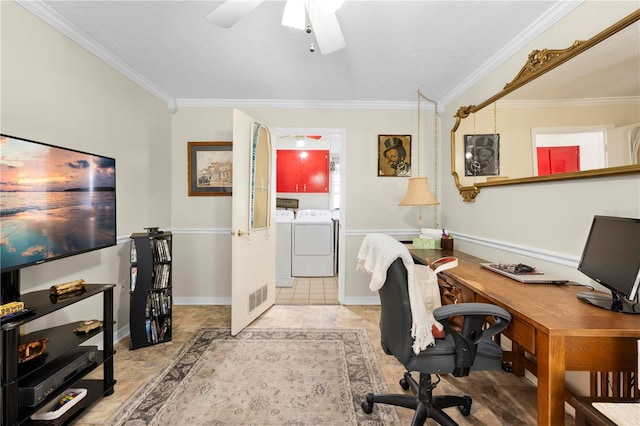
x=612, y=303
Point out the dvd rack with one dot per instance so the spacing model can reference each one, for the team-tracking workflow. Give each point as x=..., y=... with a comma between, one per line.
x=150, y=289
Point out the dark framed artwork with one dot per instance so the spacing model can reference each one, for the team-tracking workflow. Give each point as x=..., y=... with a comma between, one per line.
x=394, y=155
x=210, y=168
x=482, y=155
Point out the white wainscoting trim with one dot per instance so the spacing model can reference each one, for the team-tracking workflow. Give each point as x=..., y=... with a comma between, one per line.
x=546, y=255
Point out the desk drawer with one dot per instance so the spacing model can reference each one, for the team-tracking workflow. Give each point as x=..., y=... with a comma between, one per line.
x=522, y=333
x=468, y=295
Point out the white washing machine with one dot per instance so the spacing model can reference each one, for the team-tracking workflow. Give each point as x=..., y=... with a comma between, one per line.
x=312, y=246
x=284, y=218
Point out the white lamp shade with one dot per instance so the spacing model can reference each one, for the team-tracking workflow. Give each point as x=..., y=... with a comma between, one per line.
x=418, y=193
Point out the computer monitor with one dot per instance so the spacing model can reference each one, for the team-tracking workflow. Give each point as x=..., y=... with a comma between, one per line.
x=611, y=257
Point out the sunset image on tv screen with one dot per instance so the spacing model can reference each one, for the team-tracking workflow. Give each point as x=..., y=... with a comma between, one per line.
x=55, y=202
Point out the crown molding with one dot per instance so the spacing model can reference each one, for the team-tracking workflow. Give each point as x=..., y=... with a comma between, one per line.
x=567, y=103
x=49, y=16
x=553, y=15
x=297, y=104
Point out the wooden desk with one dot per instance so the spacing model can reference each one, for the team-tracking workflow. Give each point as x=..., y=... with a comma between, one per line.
x=587, y=415
x=551, y=330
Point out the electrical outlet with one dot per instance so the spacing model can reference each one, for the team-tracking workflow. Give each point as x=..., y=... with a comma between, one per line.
x=123, y=287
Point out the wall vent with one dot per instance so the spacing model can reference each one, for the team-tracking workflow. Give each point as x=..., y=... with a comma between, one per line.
x=258, y=297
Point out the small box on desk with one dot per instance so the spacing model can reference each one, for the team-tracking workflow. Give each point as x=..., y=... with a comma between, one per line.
x=426, y=243
x=446, y=244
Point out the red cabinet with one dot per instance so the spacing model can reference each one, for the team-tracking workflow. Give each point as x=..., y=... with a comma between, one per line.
x=558, y=159
x=302, y=170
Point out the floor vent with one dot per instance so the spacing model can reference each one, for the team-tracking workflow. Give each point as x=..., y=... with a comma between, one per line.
x=258, y=297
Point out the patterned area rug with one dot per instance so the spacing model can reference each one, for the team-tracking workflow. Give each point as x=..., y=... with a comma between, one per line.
x=264, y=377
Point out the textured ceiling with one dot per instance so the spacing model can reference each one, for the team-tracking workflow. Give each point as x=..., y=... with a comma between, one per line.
x=393, y=47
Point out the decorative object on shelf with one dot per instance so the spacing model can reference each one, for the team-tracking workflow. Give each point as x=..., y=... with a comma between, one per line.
x=10, y=308
x=210, y=168
x=88, y=326
x=154, y=231
x=14, y=316
x=31, y=350
x=394, y=155
x=70, y=287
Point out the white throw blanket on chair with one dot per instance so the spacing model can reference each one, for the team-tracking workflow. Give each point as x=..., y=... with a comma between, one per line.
x=377, y=253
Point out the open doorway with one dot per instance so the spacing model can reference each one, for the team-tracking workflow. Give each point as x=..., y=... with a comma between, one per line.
x=309, y=217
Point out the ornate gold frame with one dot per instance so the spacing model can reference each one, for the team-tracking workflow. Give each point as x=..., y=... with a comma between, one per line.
x=538, y=63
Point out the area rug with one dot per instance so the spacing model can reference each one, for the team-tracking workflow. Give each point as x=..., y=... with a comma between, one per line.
x=264, y=377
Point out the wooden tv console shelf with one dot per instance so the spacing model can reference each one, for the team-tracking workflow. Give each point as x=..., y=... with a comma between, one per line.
x=551, y=330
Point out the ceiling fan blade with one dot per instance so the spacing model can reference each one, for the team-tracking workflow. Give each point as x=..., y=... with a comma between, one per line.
x=231, y=11
x=326, y=28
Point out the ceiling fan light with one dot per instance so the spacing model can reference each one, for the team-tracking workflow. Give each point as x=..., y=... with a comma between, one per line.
x=295, y=14
x=330, y=6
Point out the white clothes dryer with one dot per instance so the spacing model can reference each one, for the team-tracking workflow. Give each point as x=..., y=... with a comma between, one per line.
x=312, y=247
x=284, y=218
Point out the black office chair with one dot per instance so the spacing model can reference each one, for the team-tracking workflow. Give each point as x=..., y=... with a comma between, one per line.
x=457, y=353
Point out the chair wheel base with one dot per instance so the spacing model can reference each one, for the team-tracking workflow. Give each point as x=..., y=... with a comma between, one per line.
x=367, y=404
x=404, y=384
x=465, y=409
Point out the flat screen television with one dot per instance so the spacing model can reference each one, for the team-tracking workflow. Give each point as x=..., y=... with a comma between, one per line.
x=611, y=257
x=54, y=202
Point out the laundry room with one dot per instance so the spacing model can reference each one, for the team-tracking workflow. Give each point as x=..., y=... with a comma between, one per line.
x=307, y=216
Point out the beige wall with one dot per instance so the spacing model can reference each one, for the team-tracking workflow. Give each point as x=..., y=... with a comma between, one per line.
x=56, y=92
x=371, y=201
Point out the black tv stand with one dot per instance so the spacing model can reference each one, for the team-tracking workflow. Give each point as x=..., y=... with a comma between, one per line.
x=613, y=303
x=10, y=286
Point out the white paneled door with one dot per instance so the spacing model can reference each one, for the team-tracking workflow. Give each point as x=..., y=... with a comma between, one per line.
x=253, y=240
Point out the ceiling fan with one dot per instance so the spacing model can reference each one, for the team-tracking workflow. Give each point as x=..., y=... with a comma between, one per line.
x=313, y=16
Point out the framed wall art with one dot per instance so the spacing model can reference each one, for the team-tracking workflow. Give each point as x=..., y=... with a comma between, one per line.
x=482, y=155
x=210, y=168
x=394, y=155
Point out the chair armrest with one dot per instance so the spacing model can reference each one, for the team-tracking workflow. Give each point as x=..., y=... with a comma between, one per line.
x=473, y=329
x=464, y=309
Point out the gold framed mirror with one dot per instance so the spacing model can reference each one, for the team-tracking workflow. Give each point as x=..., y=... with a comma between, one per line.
x=568, y=114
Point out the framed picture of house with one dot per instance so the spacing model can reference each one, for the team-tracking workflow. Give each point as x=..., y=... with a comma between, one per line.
x=482, y=155
x=394, y=155
x=210, y=168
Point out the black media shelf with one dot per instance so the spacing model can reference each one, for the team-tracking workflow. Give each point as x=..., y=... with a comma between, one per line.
x=151, y=303
x=62, y=340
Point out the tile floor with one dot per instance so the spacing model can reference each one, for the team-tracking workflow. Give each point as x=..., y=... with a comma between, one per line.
x=309, y=291
x=134, y=368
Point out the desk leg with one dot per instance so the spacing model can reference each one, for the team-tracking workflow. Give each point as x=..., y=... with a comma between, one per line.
x=551, y=383
x=517, y=362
